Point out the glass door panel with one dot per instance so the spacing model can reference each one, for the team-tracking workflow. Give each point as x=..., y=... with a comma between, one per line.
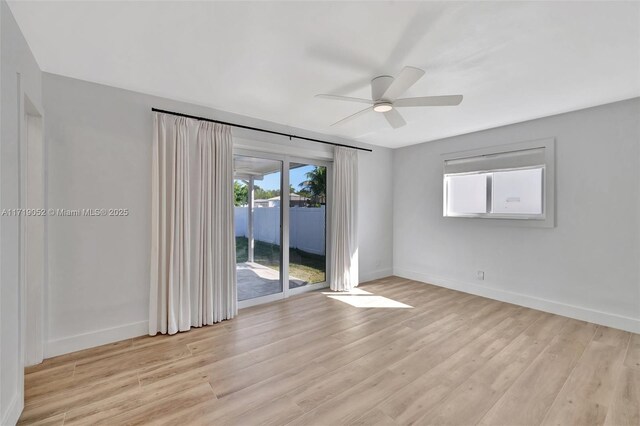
x=307, y=224
x=258, y=218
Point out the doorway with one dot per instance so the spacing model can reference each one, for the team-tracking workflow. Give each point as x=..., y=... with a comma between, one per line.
x=281, y=235
x=32, y=267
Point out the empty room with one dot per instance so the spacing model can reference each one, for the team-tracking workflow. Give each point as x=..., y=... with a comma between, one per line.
x=319, y=213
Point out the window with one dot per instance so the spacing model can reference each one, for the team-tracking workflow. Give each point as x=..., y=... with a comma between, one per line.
x=467, y=194
x=517, y=191
x=509, y=182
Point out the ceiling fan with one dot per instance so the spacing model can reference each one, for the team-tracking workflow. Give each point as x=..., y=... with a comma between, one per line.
x=385, y=92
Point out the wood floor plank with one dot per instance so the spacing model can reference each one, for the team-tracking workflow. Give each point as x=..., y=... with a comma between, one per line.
x=263, y=370
x=385, y=355
x=308, y=312
x=44, y=376
x=129, y=400
x=223, y=359
x=530, y=397
x=230, y=407
x=196, y=414
x=373, y=417
x=128, y=361
x=51, y=421
x=98, y=352
x=588, y=392
x=423, y=394
x=363, y=361
x=346, y=353
x=159, y=408
x=476, y=395
x=312, y=359
x=440, y=307
x=632, y=358
x=329, y=386
x=624, y=409
x=476, y=324
x=205, y=364
x=355, y=402
x=61, y=400
x=243, y=342
x=278, y=412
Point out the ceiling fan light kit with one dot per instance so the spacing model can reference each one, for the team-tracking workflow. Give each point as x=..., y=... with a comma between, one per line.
x=385, y=92
x=383, y=107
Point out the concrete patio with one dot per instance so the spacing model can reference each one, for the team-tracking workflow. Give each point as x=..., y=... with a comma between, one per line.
x=255, y=280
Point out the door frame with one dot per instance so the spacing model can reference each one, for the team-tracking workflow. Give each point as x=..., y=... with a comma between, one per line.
x=284, y=224
x=33, y=231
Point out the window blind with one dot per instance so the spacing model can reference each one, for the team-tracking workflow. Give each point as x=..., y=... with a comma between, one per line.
x=503, y=160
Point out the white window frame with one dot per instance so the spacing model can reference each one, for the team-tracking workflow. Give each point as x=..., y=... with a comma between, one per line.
x=545, y=219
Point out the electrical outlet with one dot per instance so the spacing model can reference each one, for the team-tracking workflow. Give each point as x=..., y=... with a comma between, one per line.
x=481, y=275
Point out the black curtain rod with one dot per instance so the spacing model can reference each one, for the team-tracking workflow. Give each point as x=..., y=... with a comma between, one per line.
x=257, y=129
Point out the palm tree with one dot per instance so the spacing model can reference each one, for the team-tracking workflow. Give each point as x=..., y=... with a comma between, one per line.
x=315, y=187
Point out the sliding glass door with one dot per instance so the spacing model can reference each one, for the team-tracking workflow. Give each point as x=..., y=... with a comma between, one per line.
x=307, y=224
x=281, y=236
x=258, y=218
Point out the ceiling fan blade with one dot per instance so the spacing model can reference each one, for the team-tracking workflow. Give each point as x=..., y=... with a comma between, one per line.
x=352, y=116
x=379, y=85
x=345, y=98
x=407, y=78
x=449, y=100
x=394, y=118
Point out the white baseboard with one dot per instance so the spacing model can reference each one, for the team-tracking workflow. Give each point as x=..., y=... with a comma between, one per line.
x=14, y=410
x=374, y=275
x=584, y=314
x=95, y=338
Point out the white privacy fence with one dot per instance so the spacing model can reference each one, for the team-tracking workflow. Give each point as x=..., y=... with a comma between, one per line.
x=306, y=226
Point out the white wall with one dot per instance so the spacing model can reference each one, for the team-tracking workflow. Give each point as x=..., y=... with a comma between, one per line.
x=99, y=144
x=375, y=214
x=587, y=267
x=20, y=76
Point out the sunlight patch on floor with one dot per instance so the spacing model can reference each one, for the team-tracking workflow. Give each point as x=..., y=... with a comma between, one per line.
x=344, y=293
x=364, y=299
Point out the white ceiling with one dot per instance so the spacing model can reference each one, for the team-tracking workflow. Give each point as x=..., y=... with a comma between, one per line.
x=511, y=61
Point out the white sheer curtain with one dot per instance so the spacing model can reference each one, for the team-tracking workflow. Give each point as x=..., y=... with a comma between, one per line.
x=344, y=220
x=193, y=277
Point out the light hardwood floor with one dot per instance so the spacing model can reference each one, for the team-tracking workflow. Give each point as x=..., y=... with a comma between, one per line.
x=452, y=358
